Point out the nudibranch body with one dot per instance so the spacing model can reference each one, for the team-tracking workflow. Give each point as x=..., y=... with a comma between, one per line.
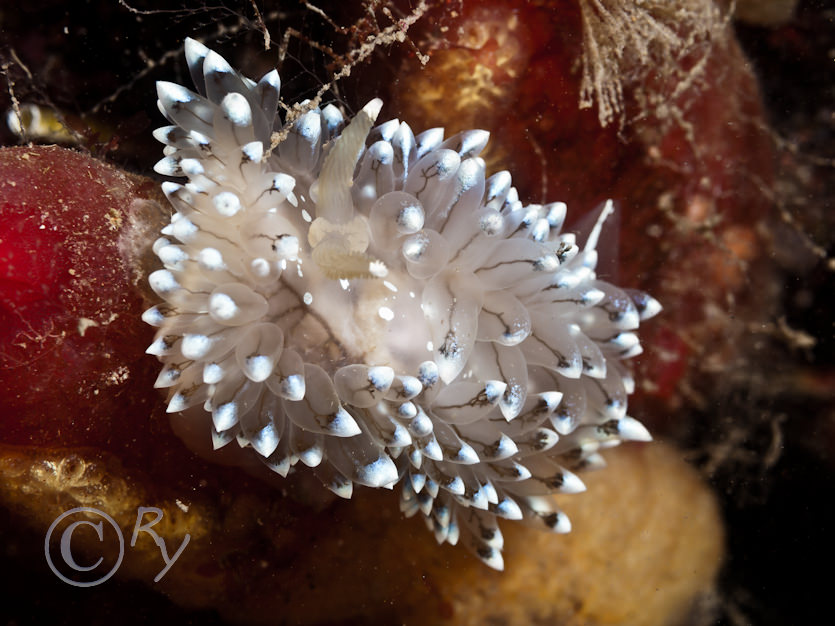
x=367, y=302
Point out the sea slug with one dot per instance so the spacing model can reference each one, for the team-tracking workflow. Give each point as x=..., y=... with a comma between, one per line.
x=369, y=303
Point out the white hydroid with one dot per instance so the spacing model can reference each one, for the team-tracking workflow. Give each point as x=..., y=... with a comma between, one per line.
x=368, y=303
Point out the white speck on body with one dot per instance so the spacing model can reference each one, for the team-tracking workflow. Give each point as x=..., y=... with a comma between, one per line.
x=386, y=313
